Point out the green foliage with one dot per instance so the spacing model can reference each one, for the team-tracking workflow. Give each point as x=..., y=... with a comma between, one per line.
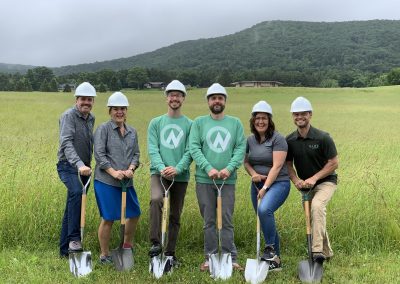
x=393, y=77
x=102, y=88
x=67, y=88
x=137, y=77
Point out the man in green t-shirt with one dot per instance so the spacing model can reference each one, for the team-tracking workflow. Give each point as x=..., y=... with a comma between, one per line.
x=217, y=145
x=167, y=142
x=313, y=153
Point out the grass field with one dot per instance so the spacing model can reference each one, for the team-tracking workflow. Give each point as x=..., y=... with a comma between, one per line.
x=363, y=216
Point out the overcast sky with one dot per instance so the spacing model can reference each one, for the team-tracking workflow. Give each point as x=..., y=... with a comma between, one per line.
x=67, y=32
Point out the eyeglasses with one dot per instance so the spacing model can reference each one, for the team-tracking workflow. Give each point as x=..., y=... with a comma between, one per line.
x=303, y=113
x=175, y=95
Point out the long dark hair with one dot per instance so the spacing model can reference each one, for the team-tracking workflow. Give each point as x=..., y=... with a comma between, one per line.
x=270, y=128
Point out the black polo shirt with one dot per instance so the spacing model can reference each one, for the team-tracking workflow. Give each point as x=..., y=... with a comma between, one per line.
x=310, y=154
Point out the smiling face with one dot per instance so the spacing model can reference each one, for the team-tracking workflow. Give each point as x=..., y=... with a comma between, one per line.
x=261, y=122
x=216, y=103
x=118, y=114
x=84, y=104
x=175, y=99
x=302, y=119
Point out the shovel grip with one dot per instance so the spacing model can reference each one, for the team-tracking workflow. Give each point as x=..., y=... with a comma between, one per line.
x=219, y=212
x=83, y=210
x=307, y=213
x=164, y=215
x=123, y=208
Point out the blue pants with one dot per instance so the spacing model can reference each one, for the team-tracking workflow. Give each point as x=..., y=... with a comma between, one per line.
x=70, y=228
x=272, y=200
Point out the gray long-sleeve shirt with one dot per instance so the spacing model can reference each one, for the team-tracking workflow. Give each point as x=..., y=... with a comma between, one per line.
x=76, y=138
x=112, y=150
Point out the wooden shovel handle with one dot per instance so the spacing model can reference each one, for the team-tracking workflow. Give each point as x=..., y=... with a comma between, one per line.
x=123, y=208
x=164, y=215
x=307, y=213
x=83, y=210
x=219, y=212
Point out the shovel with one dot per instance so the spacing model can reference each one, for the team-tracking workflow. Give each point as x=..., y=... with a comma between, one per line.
x=220, y=263
x=80, y=263
x=122, y=257
x=256, y=270
x=161, y=264
x=309, y=271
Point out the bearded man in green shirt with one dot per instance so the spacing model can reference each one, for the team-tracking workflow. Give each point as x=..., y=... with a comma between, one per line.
x=217, y=145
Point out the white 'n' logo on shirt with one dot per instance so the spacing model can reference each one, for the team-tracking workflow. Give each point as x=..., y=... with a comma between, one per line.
x=215, y=140
x=171, y=136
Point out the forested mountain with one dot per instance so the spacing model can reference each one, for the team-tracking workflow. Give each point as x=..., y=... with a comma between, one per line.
x=311, y=54
x=14, y=68
x=368, y=46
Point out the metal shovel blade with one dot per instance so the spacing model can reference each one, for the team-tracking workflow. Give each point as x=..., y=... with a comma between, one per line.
x=256, y=271
x=220, y=265
x=310, y=271
x=122, y=258
x=80, y=263
x=160, y=265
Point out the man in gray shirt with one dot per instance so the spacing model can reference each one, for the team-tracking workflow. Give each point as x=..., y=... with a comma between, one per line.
x=74, y=156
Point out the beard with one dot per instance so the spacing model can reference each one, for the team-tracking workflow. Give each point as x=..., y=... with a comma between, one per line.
x=217, y=109
x=174, y=105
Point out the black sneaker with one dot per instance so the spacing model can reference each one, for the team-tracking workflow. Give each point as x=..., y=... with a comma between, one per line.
x=269, y=253
x=106, y=259
x=155, y=250
x=319, y=257
x=175, y=262
x=275, y=266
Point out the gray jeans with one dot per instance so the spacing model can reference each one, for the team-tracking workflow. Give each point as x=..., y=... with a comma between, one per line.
x=176, y=199
x=207, y=199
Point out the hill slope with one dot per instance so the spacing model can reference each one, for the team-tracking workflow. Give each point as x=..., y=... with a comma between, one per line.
x=282, y=45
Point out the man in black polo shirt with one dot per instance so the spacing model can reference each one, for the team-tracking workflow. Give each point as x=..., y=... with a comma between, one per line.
x=313, y=154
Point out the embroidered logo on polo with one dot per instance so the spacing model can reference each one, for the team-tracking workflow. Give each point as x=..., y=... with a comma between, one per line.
x=171, y=136
x=218, y=139
x=313, y=146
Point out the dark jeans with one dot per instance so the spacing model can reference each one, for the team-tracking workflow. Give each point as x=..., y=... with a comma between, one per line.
x=272, y=200
x=70, y=228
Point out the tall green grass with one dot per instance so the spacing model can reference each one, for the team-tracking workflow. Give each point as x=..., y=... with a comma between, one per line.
x=363, y=216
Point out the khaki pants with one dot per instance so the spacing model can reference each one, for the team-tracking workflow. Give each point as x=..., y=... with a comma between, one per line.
x=176, y=199
x=320, y=196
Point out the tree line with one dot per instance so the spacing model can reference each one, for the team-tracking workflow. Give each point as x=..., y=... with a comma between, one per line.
x=43, y=79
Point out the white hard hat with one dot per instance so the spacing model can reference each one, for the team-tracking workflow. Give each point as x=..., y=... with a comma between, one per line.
x=262, y=106
x=216, y=89
x=301, y=104
x=117, y=99
x=175, y=85
x=85, y=90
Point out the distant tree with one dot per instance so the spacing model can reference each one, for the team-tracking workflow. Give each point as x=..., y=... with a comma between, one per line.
x=38, y=75
x=137, y=77
x=45, y=86
x=115, y=84
x=102, y=88
x=329, y=83
x=53, y=86
x=67, y=88
x=393, y=77
x=104, y=76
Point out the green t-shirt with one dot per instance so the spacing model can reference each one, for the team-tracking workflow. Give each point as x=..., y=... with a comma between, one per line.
x=167, y=145
x=217, y=144
x=310, y=154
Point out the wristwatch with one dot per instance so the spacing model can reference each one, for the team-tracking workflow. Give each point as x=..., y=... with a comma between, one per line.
x=265, y=187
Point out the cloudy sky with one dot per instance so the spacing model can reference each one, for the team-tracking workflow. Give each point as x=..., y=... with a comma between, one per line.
x=67, y=32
